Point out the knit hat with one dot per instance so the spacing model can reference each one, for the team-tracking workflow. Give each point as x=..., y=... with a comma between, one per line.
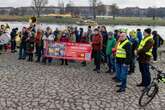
x=148, y=30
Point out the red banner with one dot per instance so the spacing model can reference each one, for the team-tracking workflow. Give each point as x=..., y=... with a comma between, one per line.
x=70, y=51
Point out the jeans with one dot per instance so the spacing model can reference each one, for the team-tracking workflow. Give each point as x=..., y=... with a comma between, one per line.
x=145, y=72
x=111, y=62
x=22, y=51
x=97, y=59
x=154, y=53
x=121, y=74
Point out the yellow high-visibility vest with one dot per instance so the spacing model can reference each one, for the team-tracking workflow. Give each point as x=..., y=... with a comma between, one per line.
x=142, y=44
x=121, y=52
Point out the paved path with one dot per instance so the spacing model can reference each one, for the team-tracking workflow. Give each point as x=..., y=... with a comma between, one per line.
x=31, y=86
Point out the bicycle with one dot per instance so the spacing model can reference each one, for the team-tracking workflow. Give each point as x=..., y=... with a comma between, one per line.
x=152, y=90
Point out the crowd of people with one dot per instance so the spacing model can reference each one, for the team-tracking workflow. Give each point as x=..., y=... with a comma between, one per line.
x=120, y=50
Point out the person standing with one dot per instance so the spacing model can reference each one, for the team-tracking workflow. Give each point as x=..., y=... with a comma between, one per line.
x=144, y=54
x=134, y=45
x=158, y=41
x=84, y=40
x=39, y=43
x=64, y=39
x=104, y=34
x=123, y=56
x=48, y=36
x=30, y=47
x=97, y=47
x=13, y=35
x=22, y=49
x=139, y=35
x=110, y=57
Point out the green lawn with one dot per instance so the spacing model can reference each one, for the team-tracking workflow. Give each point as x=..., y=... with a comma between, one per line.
x=101, y=21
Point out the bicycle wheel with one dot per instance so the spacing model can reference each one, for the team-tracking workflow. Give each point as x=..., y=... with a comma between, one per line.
x=148, y=94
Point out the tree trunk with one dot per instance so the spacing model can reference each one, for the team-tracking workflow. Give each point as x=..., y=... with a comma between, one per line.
x=113, y=17
x=94, y=12
x=153, y=18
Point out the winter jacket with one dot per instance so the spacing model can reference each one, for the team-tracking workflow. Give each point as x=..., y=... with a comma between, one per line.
x=110, y=44
x=139, y=36
x=97, y=42
x=142, y=57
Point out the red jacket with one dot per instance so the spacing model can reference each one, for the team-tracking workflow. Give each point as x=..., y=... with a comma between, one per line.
x=97, y=42
x=84, y=39
x=38, y=37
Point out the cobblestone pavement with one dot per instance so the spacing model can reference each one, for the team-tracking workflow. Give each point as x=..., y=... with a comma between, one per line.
x=32, y=86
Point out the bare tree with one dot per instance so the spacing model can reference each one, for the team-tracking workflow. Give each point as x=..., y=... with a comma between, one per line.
x=151, y=12
x=114, y=10
x=101, y=9
x=38, y=6
x=93, y=4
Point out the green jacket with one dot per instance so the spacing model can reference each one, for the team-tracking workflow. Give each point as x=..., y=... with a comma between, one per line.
x=110, y=44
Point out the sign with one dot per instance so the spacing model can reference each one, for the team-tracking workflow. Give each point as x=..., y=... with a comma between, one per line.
x=5, y=38
x=70, y=51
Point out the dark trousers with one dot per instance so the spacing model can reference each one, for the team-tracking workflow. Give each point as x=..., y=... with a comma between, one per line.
x=39, y=53
x=66, y=61
x=154, y=53
x=145, y=72
x=132, y=65
x=13, y=45
x=97, y=59
x=104, y=55
x=30, y=57
x=44, y=60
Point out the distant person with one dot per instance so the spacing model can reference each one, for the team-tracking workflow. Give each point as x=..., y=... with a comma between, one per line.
x=134, y=45
x=39, y=43
x=111, y=42
x=104, y=34
x=97, y=47
x=116, y=34
x=64, y=39
x=89, y=33
x=48, y=35
x=158, y=41
x=30, y=45
x=13, y=35
x=84, y=40
x=76, y=31
x=144, y=53
x=23, y=44
x=139, y=35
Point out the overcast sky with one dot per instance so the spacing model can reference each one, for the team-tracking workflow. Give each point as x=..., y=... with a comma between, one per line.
x=121, y=3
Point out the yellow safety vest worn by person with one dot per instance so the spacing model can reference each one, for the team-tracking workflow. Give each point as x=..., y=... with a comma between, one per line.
x=121, y=52
x=142, y=44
